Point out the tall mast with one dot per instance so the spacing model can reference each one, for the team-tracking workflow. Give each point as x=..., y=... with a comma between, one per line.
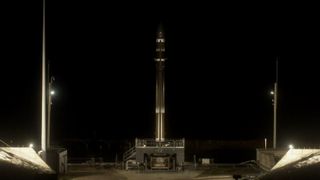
x=275, y=104
x=44, y=80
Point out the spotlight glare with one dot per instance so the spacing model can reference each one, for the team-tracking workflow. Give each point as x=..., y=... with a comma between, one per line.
x=291, y=146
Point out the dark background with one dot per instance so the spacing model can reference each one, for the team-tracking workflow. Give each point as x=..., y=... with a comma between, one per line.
x=219, y=72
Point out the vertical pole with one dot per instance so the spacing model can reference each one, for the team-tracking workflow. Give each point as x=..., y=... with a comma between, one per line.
x=265, y=143
x=275, y=104
x=136, y=142
x=49, y=114
x=275, y=116
x=44, y=91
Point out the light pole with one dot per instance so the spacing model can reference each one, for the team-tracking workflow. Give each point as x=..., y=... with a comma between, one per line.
x=275, y=104
x=50, y=94
x=44, y=88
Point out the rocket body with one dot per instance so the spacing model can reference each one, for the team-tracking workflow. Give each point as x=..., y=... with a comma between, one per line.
x=160, y=86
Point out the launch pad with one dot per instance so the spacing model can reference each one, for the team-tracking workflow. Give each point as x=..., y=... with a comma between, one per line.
x=165, y=155
x=159, y=153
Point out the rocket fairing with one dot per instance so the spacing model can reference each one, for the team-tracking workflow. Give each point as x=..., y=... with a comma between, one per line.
x=160, y=85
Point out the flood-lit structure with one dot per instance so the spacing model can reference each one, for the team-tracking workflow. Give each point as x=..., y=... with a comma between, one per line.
x=158, y=153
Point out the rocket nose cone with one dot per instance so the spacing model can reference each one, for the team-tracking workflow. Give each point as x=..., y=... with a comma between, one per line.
x=160, y=31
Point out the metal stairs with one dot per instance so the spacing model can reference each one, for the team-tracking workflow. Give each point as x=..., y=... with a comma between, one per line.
x=129, y=159
x=129, y=154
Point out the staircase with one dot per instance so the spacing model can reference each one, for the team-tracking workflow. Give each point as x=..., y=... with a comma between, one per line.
x=129, y=158
x=129, y=154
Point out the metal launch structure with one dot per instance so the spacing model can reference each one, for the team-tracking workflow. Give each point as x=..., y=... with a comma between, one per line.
x=159, y=153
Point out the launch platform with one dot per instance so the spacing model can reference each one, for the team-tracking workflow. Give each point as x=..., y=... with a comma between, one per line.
x=159, y=153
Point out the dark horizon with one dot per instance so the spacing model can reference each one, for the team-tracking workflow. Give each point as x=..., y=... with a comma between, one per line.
x=219, y=72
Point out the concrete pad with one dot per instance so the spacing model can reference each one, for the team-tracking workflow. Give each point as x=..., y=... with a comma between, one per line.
x=24, y=157
x=294, y=155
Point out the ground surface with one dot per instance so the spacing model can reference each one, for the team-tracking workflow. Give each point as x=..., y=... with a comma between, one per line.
x=109, y=173
x=95, y=173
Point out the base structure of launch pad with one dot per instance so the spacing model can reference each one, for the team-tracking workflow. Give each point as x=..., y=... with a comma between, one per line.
x=165, y=155
x=153, y=155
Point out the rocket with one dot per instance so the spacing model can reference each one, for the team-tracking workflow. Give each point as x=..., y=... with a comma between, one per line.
x=160, y=85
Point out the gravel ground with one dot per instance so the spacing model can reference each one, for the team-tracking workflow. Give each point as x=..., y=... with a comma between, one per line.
x=96, y=173
x=109, y=173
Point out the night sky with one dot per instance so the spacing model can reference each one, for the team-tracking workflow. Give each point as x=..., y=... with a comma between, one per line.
x=219, y=72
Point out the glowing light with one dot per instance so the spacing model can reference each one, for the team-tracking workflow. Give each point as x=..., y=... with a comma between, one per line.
x=272, y=92
x=160, y=40
x=52, y=92
x=31, y=145
x=291, y=146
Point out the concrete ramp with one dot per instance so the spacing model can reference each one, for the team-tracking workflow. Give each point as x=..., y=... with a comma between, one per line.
x=296, y=164
x=23, y=158
x=295, y=155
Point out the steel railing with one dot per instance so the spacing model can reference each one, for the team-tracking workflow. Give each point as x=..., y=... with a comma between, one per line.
x=154, y=143
x=127, y=155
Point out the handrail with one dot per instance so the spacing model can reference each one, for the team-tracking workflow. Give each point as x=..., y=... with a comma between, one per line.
x=4, y=143
x=166, y=143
